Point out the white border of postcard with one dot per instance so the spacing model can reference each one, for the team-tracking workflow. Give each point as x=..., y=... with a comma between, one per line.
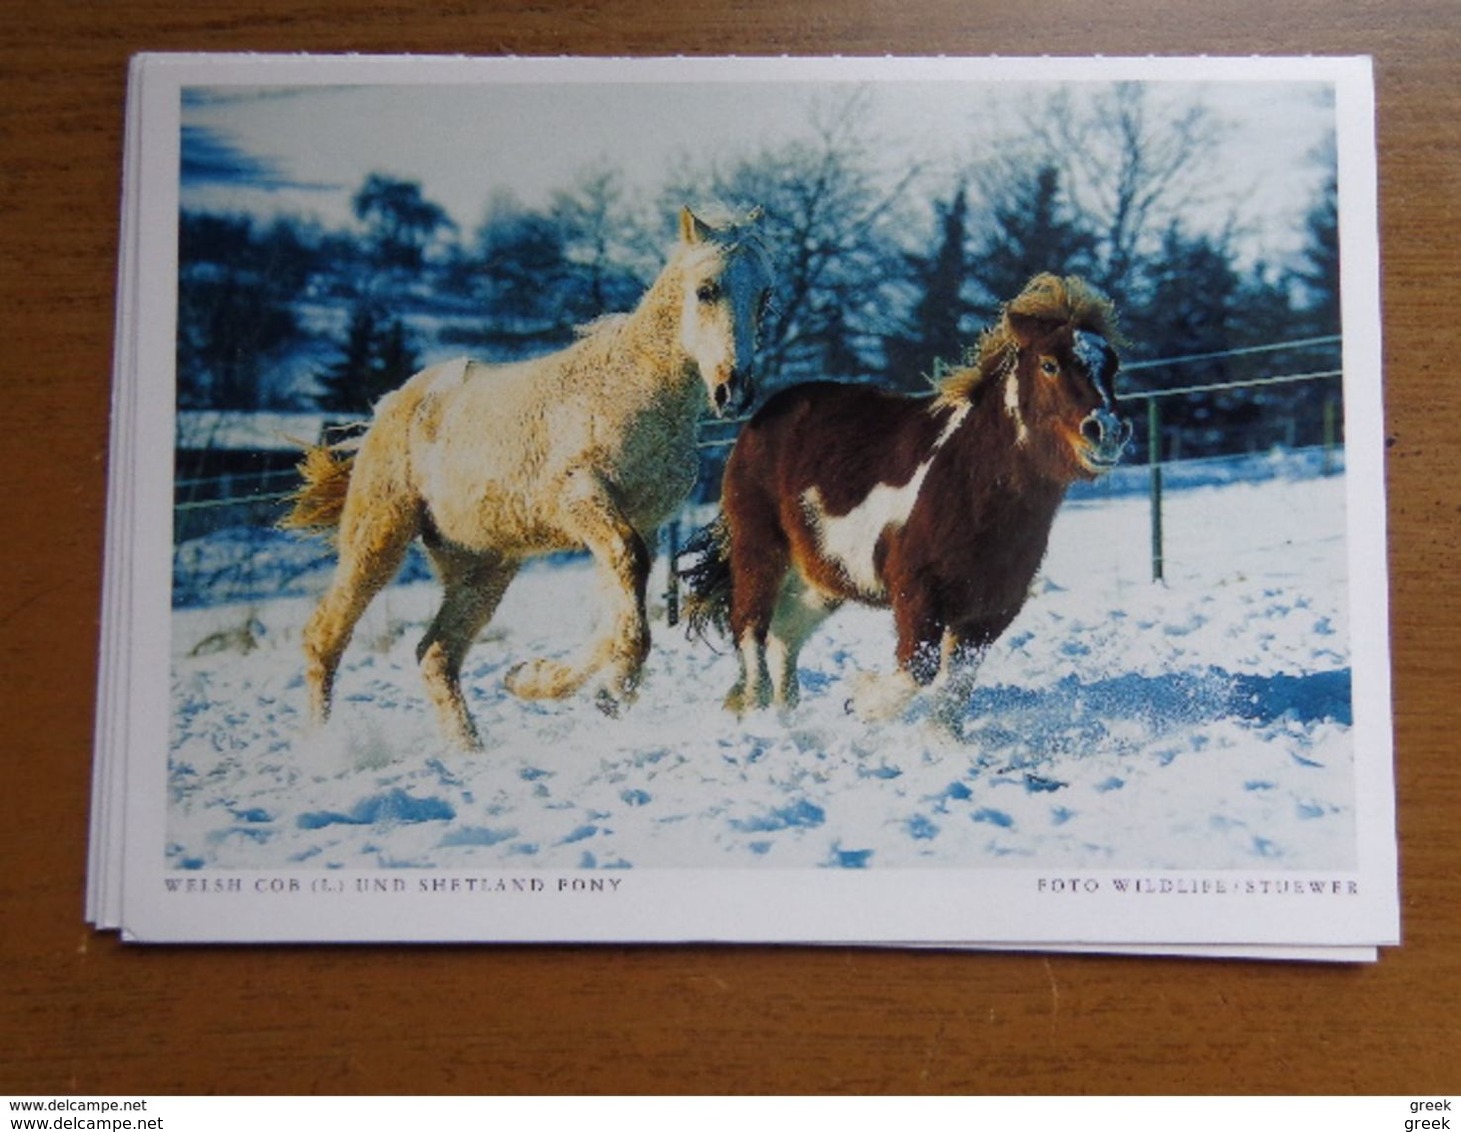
x=1341, y=915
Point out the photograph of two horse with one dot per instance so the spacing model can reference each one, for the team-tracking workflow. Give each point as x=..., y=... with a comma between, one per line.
x=767, y=475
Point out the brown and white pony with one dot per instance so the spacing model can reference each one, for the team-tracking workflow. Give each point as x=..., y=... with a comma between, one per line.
x=591, y=448
x=939, y=507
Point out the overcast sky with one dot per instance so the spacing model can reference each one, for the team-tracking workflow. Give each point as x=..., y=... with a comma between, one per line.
x=304, y=150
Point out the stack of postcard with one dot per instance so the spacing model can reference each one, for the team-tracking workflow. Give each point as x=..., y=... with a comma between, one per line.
x=901, y=502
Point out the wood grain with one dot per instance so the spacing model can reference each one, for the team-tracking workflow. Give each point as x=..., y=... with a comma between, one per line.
x=80, y=1012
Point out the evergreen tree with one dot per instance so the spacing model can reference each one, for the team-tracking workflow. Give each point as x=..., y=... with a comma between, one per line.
x=1318, y=274
x=1195, y=307
x=522, y=273
x=401, y=221
x=235, y=314
x=396, y=361
x=1032, y=229
x=374, y=359
x=1317, y=405
x=1187, y=302
x=935, y=337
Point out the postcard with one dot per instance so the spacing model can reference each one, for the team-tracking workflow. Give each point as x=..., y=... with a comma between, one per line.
x=909, y=502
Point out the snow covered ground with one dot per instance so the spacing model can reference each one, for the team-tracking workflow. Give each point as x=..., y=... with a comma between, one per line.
x=1203, y=722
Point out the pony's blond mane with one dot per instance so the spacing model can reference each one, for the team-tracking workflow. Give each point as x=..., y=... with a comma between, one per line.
x=1049, y=298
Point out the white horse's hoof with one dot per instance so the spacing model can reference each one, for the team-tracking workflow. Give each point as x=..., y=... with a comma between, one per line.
x=609, y=704
x=543, y=679
x=616, y=694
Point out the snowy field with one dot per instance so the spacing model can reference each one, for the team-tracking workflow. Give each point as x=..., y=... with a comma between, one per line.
x=1203, y=722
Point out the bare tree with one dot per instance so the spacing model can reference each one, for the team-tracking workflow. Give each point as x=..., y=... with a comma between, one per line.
x=608, y=249
x=835, y=217
x=1130, y=165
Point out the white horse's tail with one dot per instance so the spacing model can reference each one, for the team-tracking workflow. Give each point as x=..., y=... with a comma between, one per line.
x=317, y=503
x=704, y=566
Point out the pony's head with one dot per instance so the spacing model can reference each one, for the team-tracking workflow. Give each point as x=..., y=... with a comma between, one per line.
x=1055, y=344
x=727, y=286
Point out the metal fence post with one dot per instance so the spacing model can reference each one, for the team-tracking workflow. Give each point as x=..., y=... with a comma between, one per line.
x=1154, y=462
x=672, y=589
x=1331, y=433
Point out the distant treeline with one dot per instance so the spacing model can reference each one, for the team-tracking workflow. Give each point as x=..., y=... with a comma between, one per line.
x=883, y=275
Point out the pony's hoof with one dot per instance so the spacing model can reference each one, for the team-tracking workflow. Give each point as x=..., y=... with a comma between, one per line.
x=542, y=679
x=880, y=698
x=948, y=727
x=741, y=703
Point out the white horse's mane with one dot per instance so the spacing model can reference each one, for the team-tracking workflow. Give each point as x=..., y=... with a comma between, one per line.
x=601, y=324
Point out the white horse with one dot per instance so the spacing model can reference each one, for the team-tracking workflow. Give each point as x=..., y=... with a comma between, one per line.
x=591, y=448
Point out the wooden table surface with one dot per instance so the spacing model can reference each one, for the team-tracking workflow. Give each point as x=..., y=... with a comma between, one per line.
x=79, y=1012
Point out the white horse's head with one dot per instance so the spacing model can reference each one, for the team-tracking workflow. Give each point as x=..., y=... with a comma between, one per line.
x=727, y=285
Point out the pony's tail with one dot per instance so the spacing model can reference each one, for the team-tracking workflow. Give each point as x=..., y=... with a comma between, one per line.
x=704, y=567
x=317, y=503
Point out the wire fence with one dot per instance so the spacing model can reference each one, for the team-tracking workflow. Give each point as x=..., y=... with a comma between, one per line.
x=256, y=496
